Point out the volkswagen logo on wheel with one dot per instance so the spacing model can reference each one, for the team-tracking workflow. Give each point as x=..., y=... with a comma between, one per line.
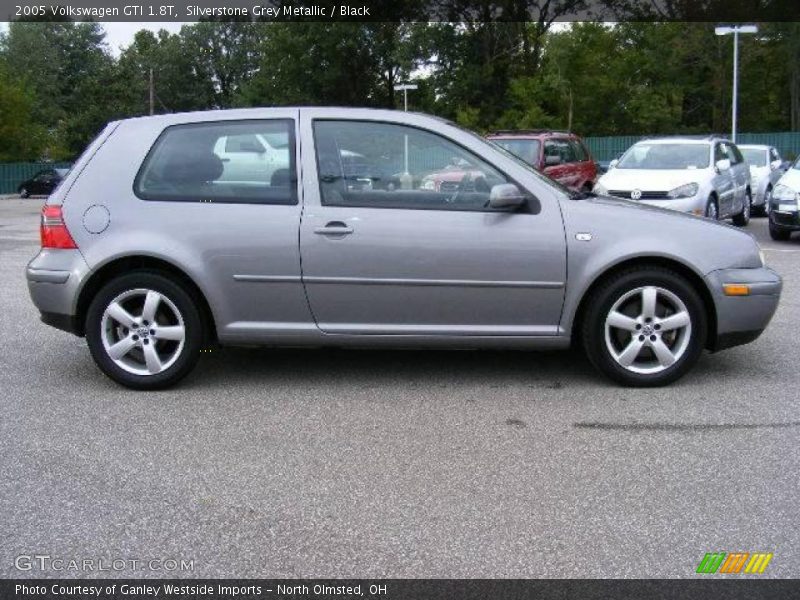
x=636, y=195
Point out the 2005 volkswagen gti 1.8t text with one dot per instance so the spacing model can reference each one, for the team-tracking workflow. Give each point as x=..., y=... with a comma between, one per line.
x=332, y=226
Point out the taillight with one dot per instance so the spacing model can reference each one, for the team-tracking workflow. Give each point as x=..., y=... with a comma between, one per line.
x=53, y=230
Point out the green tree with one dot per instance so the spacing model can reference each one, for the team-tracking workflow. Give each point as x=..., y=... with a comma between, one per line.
x=23, y=138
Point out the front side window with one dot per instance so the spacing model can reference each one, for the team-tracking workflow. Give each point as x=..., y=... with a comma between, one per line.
x=225, y=161
x=383, y=165
x=665, y=156
x=579, y=151
x=562, y=149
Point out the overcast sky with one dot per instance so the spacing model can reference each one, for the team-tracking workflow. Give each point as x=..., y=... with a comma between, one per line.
x=121, y=34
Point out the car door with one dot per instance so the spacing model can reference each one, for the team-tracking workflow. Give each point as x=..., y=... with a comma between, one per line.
x=564, y=170
x=723, y=181
x=414, y=260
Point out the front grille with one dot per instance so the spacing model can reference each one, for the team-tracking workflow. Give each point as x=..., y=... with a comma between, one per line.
x=645, y=195
x=449, y=186
x=790, y=219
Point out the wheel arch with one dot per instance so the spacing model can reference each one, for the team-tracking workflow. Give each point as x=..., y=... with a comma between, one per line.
x=682, y=269
x=125, y=264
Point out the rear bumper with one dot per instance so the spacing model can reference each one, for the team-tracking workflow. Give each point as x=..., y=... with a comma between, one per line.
x=54, y=281
x=741, y=319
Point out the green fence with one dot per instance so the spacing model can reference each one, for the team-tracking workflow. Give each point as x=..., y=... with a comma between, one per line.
x=608, y=148
x=12, y=174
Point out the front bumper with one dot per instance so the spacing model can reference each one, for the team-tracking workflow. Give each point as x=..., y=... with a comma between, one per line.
x=741, y=319
x=784, y=219
x=695, y=205
x=54, y=282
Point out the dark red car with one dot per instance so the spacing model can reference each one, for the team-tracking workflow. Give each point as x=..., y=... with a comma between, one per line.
x=559, y=155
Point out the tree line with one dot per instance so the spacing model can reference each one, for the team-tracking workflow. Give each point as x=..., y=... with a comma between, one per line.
x=60, y=83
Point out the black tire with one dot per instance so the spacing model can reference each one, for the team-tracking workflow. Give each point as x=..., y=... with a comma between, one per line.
x=193, y=329
x=603, y=299
x=712, y=209
x=743, y=218
x=763, y=210
x=23, y=193
x=779, y=234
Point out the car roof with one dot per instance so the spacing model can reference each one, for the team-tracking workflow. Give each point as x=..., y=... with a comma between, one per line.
x=511, y=134
x=682, y=139
x=755, y=146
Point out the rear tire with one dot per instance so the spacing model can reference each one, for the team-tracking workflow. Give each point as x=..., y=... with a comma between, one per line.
x=779, y=234
x=628, y=334
x=144, y=331
x=743, y=218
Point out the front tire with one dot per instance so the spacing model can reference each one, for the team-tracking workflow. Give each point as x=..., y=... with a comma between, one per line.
x=763, y=210
x=712, y=210
x=23, y=193
x=743, y=218
x=144, y=331
x=645, y=327
x=779, y=234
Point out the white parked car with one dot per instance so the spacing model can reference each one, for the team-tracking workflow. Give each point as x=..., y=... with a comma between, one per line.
x=765, y=171
x=784, y=211
x=704, y=176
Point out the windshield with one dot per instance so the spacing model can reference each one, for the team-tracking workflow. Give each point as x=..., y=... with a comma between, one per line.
x=665, y=156
x=527, y=150
x=755, y=157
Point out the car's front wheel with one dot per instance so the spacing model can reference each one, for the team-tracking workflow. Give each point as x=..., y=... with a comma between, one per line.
x=144, y=330
x=743, y=218
x=645, y=327
x=712, y=211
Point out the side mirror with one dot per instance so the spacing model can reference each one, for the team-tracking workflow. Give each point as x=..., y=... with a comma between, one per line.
x=723, y=164
x=551, y=160
x=613, y=163
x=506, y=196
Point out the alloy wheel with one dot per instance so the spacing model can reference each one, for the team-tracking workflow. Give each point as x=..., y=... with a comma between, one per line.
x=647, y=330
x=142, y=331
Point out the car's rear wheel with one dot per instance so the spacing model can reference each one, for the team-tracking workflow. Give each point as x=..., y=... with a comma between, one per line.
x=712, y=210
x=779, y=234
x=743, y=218
x=645, y=327
x=144, y=331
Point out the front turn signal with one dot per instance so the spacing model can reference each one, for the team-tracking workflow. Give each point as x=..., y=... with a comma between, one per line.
x=736, y=289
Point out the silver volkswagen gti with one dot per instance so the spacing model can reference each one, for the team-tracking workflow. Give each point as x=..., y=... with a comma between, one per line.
x=316, y=226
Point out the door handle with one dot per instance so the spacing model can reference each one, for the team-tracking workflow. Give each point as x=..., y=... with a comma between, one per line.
x=334, y=228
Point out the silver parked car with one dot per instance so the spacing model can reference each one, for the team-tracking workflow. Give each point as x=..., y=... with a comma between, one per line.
x=153, y=247
x=701, y=176
x=765, y=170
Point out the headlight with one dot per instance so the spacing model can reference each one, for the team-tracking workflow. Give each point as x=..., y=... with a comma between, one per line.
x=684, y=191
x=600, y=190
x=428, y=184
x=785, y=197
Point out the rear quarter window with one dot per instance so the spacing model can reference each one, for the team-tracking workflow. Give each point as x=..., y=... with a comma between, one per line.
x=224, y=161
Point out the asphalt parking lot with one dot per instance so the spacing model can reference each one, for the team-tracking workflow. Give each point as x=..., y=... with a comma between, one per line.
x=335, y=463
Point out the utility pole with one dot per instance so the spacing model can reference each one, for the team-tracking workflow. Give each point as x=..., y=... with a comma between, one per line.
x=152, y=93
x=735, y=30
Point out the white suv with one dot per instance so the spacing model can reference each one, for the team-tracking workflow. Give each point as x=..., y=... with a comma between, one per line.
x=702, y=176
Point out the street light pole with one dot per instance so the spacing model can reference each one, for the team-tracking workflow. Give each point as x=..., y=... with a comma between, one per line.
x=406, y=181
x=735, y=30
